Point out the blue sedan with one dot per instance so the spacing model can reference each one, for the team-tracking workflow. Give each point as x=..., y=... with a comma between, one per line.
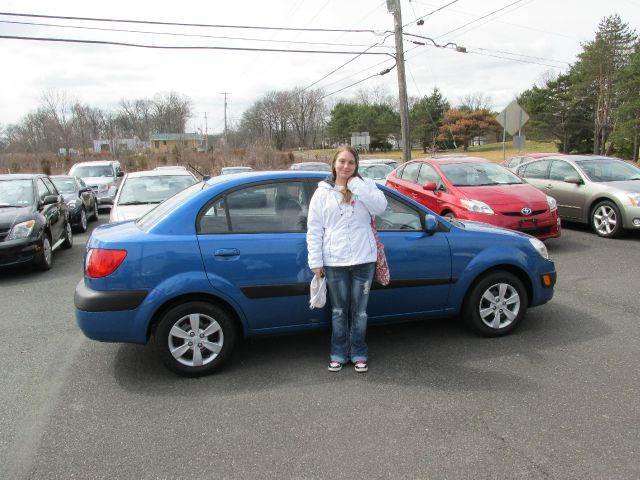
x=211, y=265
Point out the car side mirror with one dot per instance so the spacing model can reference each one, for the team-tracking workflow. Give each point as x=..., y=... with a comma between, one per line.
x=84, y=190
x=206, y=177
x=49, y=200
x=120, y=173
x=430, y=186
x=430, y=223
x=574, y=180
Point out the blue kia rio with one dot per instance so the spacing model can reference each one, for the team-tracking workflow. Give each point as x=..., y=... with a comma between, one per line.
x=227, y=258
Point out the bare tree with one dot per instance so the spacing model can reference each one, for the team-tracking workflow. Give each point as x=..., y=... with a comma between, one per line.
x=171, y=112
x=473, y=102
x=307, y=115
x=138, y=117
x=59, y=107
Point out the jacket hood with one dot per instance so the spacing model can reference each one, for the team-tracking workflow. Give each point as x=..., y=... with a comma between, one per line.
x=9, y=216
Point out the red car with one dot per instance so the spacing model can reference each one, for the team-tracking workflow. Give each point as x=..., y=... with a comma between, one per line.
x=471, y=188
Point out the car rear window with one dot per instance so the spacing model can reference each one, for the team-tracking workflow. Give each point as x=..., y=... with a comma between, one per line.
x=162, y=210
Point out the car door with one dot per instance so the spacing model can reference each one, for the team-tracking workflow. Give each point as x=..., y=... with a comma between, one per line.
x=432, y=199
x=408, y=177
x=419, y=263
x=253, y=244
x=571, y=198
x=51, y=212
x=536, y=173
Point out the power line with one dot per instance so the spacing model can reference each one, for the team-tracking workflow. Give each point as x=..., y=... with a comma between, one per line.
x=102, y=29
x=206, y=25
x=186, y=47
x=480, y=18
x=430, y=13
x=383, y=72
x=492, y=19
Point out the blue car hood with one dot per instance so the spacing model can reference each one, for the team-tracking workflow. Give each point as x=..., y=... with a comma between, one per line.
x=474, y=226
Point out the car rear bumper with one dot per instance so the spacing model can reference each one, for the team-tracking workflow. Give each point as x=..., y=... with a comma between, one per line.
x=16, y=252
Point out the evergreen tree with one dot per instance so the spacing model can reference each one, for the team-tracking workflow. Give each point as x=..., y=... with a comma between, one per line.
x=426, y=117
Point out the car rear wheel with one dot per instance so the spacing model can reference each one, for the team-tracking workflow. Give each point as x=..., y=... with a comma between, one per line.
x=44, y=260
x=82, y=226
x=496, y=304
x=606, y=220
x=68, y=236
x=95, y=210
x=193, y=339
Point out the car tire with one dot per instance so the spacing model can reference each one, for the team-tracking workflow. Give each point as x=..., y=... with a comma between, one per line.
x=82, y=226
x=95, y=210
x=176, y=329
x=495, y=304
x=606, y=219
x=68, y=237
x=44, y=260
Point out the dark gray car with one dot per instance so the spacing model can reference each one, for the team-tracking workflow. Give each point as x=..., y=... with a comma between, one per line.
x=601, y=191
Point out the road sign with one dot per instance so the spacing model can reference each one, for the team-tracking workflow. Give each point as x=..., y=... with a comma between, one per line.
x=512, y=118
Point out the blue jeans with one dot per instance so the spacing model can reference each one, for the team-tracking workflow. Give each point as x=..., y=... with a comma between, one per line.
x=348, y=289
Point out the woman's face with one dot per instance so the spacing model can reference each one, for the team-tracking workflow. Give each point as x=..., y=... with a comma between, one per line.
x=345, y=166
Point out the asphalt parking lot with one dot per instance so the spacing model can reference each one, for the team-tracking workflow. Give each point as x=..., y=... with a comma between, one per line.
x=556, y=399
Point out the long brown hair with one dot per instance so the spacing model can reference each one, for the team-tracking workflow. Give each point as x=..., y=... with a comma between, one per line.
x=346, y=193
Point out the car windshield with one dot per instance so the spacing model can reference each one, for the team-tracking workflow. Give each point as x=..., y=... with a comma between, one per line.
x=608, y=170
x=16, y=193
x=314, y=167
x=84, y=171
x=478, y=174
x=376, y=172
x=153, y=189
x=64, y=185
x=157, y=213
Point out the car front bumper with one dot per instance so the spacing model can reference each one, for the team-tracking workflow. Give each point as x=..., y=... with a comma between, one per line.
x=631, y=217
x=16, y=252
x=542, y=226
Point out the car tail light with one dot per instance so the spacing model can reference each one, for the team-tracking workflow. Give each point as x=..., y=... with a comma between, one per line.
x=102, y=262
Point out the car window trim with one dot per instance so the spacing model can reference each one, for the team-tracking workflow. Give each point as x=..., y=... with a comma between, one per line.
x=553, y=160
x=244, y=186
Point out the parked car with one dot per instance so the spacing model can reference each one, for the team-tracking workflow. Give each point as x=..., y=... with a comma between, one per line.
x=376, y=161
x=196, y=273
x=601, y=191
x=103, y=178
x=377, y=172
x=34, y=221
x=171, y=167
x=310, y=166
x=142, y=191
x=513, y=162
x=81, y=200
x=231, y=170
x=475, y=189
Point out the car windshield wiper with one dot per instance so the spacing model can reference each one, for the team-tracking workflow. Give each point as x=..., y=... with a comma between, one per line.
x=137, y=203
x=7, y=205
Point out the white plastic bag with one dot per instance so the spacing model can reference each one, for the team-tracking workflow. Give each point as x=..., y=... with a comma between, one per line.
x=318, y=291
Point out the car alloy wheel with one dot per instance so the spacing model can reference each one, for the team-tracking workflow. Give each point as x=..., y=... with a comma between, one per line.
x=45, y=258
x=95, y=210
x=195, y=340
x=68, y=236
x=83, y=220
x=499, y=305
x=606, y=219
x=495, y=304
x=195, y=337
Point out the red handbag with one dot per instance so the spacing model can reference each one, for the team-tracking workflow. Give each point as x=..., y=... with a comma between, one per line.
x=382, y=275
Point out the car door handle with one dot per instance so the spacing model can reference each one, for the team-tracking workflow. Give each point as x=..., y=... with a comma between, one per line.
x=226, y=252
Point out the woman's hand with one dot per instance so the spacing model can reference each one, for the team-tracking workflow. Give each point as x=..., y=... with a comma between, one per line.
x=318, y=272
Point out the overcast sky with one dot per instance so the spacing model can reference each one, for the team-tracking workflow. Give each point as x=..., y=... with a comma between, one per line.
x=543, y=32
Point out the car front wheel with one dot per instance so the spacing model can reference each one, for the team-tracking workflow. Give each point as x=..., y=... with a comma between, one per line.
x=82, y=226
x=606, y=219
x=68, y=236
x=44, y=259
x=195, y=338
x=496, y=304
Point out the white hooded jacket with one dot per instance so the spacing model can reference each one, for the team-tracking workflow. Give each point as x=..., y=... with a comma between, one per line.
x=340, y=234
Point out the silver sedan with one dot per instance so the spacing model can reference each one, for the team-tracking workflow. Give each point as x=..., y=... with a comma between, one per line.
x=601, y=191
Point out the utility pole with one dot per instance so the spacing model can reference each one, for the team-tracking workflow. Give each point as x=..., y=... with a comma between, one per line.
x=225, y=115
x=393, y=6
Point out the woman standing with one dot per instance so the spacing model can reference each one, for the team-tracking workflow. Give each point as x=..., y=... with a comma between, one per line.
x=342, y=247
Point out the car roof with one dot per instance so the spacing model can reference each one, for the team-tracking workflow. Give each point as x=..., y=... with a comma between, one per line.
x=377, y=160
x=257, y=176
x=310, y=163
x=159, y=173
x=64, y=176
x=95, y=162
x=453, y=159
x=21, y=176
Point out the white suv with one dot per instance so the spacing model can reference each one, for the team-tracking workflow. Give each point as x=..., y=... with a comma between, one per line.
x=103, y=178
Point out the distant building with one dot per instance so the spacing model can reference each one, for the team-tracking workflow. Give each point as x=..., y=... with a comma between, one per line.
x=166, y=142
x=360, y=140
x=115, y=145
x=484, y=139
